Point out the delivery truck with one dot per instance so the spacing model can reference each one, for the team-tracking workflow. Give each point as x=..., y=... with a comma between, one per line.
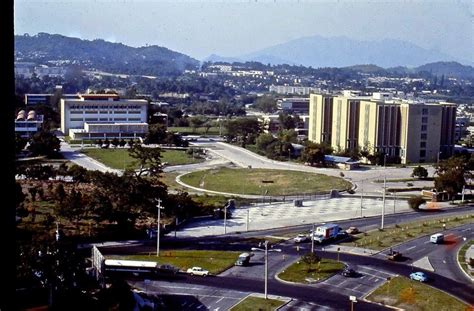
x=325, y=233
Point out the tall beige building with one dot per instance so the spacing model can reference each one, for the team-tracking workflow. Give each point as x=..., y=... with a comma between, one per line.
x=415, y=132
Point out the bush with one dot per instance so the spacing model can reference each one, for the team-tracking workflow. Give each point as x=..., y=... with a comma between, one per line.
x=415, y=202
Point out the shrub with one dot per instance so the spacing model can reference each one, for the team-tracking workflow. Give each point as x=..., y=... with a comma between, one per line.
x=415, y=201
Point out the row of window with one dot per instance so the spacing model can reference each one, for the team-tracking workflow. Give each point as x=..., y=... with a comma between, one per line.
x=105, y=106
x=105, y=119
x=105, y=112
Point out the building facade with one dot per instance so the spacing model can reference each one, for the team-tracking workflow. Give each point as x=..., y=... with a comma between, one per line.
x=416, y=132
x=28, y=124
x=95, y=116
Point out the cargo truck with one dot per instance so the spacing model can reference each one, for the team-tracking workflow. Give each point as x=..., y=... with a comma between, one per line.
x=325, y=233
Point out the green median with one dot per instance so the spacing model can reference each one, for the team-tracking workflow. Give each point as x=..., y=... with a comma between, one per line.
x=251, y=303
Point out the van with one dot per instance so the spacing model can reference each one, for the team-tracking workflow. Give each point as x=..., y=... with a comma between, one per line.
x=437, y=238
x=243, y=260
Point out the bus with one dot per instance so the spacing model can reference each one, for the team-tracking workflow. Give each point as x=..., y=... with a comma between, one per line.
x=139, y=267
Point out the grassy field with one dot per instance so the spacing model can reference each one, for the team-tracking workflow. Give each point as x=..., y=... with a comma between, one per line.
x=462, y=256
x=120, y=159
x=256, y=303
x=410, y=295
x=379, y=240
x=213, y=261
x=299, y=271
x=257, y=181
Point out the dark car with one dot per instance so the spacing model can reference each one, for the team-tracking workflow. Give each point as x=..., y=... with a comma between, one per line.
x=394, y=255
x=348, y=272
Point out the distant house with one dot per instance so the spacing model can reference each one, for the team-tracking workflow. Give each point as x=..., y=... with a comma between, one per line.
x=344, y=163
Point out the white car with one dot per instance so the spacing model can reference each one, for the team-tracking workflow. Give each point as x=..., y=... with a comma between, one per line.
x=301, y=238
x=197, y=271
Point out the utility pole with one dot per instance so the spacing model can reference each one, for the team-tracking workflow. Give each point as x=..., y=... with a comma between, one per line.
x=248, y=216
x=361, y=195
x=462, y=197
x=394, y=201
x=266, y=268
x=225, y=218
x=312, y=240
x=383, y=199
x=159, y=207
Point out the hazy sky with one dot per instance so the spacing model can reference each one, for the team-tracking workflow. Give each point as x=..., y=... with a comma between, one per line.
x=231, y=28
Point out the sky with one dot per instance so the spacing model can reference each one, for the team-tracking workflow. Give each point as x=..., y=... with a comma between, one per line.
x=233, y=27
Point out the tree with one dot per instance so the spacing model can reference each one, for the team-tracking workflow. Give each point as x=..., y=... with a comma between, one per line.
x=310, y=259
x=288, y=122
x=20, y=143
x=156, y=134
x=452, y=174
x=44, y=143
x=197, y=122
x=314, y=153
x=266, y=104
x=115, y=142
x=415, y=201
x=245, y=130
x=149, y=160
x=420, y=172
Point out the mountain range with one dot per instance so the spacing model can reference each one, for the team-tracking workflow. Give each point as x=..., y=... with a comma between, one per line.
x=102, y=55
x=317, y=51
x=386, y=56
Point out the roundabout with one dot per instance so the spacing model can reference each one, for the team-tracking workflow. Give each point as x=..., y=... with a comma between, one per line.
x=262, y=182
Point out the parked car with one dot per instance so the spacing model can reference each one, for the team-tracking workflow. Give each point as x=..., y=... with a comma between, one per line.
x=394, y=255
x=301, y=238
x=352, y=230
x=197, y=271
x=348, y=272
x=419, y=276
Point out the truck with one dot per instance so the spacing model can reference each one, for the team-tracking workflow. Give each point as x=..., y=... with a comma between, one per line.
x=244, y=259
x=325, y=233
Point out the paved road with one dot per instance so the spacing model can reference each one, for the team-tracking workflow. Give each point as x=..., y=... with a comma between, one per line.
x=73, y=155
x=442, y=257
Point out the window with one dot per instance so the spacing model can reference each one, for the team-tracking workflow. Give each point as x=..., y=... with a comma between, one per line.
x=424, y=120
x=423, y=128
x=423, y=144
x=422, y=153
x=77, y=119
x=424, y=111
x=423, y=136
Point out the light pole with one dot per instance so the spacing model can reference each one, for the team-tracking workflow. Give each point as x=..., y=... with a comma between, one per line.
x=159, y=207
x=248, y=216
x=225, y=218
x=266, y=262
x=312, y=240
x=383, y=200
x=361, y=195
x=394, y=201
x=289, y=154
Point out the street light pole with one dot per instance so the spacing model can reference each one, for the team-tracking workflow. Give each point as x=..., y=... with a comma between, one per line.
x=312, y=240
x=266, y=263
x=383, y=199
x=159, y=207
x=248, y=216
x=266, y=268
x=225, y=219
x=361, y=195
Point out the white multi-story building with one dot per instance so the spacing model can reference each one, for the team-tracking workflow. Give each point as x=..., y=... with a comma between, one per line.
x=96, y=116
x=28, y=124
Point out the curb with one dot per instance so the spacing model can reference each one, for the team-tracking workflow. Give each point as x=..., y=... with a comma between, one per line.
x=459, y=263
x=300, y=284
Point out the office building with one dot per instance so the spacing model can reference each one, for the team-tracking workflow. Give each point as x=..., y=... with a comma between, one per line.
x=99, y=116
x=27, y=124
x=415, y=132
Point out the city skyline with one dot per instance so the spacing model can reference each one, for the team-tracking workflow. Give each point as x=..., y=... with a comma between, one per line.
x=202, y=28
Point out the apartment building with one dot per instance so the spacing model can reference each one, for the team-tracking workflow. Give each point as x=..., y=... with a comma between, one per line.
x=414, y=131
x=95, y=116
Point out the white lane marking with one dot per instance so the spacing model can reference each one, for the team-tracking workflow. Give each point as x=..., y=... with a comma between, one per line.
x=381, y=271
x=411, y=248
x=426, y=242
x=214, y=296
x=343, y=288
x=467, y=229
x=219, y=300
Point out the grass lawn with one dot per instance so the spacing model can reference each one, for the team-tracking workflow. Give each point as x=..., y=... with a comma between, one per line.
x=406, y=294
x=213, y=261
x=462, y=256
x=257, y=181
x=120, y=159
x=299, y=271
x=379, y=240
x=251, y=303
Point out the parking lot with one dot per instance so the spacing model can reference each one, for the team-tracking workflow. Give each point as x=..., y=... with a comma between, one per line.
x=181, y=296
x=362, y=284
